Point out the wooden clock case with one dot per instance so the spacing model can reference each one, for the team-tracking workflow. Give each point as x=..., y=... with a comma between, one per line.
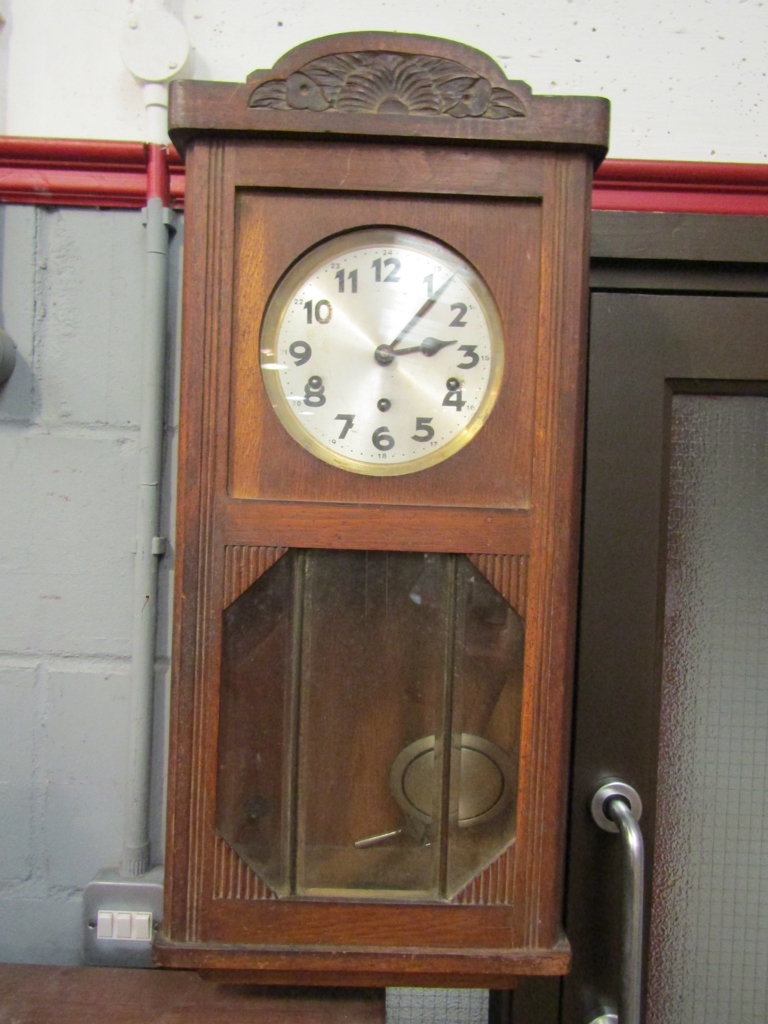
x=428, y=135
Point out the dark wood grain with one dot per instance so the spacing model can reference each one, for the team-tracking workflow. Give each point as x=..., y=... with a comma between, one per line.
x=508, y=574
x=198, y=107
x=233, y=879
x=397, y=528
x=409, y=965
x=493, y=885
x=500, y=239
x=181, y=768
x=552, y=580
x=381, y=167
x=510, y=499
x=243, y=564
x=387, y=82
x=374, y=978
x=33, y=994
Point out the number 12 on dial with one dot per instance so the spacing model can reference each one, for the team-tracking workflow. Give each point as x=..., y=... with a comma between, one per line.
x=382, y=351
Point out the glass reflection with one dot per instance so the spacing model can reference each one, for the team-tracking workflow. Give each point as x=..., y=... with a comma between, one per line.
x=370, y=714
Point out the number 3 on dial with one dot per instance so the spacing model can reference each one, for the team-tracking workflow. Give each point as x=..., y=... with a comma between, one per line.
x=382, y=351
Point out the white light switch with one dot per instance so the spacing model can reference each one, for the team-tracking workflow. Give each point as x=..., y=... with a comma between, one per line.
x=142, y=926
x=104, y=924
x=123, y=925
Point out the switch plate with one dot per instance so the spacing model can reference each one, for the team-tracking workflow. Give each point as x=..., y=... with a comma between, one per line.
x=119, y=918
x=125, y=925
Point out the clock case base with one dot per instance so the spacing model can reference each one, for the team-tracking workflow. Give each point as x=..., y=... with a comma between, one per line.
x=512, y=195
x=373, y=967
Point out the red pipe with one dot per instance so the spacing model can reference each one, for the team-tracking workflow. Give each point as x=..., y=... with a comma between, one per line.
x=686, y=173
x=681, y=187
x=84, y=172
x=158, y=177
x=80, y=172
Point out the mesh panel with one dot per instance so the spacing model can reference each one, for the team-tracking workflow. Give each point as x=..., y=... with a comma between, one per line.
x=437, y=1006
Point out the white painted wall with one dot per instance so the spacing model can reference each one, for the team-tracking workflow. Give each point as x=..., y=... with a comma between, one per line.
x=687, y=78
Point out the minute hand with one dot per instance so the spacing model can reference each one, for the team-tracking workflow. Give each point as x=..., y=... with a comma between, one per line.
x=430, y=346
x=422, y=312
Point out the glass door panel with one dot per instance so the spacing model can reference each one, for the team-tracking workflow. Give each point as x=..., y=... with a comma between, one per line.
x=369, y=724
x=709, y=919
x=374, y=675
x=671, y=662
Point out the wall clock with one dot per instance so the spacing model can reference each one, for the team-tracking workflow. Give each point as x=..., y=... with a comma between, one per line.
x=379, y=471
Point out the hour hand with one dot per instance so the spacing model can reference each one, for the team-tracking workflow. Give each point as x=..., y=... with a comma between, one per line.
x=432, y=345
x=385, y=354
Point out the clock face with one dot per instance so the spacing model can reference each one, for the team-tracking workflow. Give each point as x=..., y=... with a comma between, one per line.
x=382, y=351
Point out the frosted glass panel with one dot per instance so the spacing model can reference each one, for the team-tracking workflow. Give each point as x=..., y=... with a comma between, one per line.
x=709, y=924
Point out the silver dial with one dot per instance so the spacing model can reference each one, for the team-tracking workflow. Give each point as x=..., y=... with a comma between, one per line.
x=382, y=351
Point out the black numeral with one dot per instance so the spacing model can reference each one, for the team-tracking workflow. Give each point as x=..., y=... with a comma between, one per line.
x=382, y=439
x=471, y=359
x=391, y=277
x=453, y=394
x=352, y=280
x=423, y=430
x=323, y=311
x=314, y=392
x=348, y=421
x=430, y=285
x=301, y=352
x=458, y=320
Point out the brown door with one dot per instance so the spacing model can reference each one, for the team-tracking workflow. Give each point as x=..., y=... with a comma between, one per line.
x=672, y=681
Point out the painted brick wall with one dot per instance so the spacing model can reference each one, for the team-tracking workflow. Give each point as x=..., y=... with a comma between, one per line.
x=71, y=296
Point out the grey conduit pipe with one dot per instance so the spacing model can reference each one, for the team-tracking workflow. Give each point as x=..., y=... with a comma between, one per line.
x=154, y=48
x=149, y=544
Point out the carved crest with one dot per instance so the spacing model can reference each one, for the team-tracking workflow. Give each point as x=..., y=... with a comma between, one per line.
x=389, y=83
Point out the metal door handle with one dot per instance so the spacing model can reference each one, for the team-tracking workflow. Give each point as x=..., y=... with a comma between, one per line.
x=616, y=807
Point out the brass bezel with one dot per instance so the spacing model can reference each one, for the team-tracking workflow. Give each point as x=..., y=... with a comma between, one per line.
x=324, y=252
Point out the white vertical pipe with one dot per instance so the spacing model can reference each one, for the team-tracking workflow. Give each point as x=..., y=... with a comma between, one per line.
x=155, y=96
